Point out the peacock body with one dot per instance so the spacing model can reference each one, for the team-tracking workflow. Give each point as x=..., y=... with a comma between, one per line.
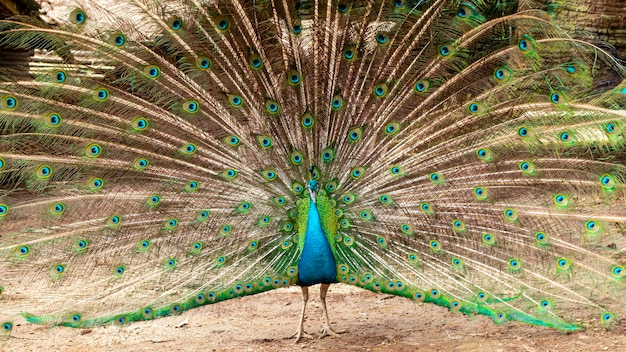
x=168, y=155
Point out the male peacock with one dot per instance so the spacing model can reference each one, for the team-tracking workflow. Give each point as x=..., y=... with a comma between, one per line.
x=167, y=155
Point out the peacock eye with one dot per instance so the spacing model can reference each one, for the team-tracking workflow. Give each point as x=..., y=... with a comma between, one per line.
x=119, y=40
x=523, y=44
x=223, y=24
x=177, y=24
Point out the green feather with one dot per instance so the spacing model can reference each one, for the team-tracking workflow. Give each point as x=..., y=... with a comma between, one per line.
x=468, y=154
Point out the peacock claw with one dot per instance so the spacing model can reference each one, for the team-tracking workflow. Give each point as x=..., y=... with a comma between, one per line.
x=299, y=335
x=326, y=330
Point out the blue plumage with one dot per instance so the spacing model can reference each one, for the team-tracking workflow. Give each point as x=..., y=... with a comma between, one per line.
x=317, y=264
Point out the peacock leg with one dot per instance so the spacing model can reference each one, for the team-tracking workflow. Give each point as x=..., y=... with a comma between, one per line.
x=300, y=332
x=326, y=329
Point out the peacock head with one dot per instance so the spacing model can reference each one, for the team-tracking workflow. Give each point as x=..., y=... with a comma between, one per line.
x=312, y=187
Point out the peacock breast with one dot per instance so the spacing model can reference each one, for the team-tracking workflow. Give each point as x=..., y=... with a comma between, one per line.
x=317, y=260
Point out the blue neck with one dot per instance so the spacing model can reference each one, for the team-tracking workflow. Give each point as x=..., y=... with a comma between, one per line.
x=317, y=264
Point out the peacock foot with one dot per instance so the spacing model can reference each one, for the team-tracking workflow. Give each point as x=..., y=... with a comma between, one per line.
x=299, y=335
x=326, y=330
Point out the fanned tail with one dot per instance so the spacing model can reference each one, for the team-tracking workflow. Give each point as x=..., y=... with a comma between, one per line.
x=160, y=163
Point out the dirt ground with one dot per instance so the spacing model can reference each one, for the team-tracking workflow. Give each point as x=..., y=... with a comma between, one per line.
x=264, y=322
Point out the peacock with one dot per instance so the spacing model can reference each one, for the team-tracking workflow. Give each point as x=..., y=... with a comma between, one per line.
x=164, y=155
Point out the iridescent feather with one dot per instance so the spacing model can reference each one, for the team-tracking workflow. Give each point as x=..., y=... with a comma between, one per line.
x=168, y=155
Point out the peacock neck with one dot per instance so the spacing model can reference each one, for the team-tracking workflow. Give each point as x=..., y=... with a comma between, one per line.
x=317, y=263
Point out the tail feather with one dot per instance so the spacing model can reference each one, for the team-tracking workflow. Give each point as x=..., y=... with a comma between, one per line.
x=471, y=158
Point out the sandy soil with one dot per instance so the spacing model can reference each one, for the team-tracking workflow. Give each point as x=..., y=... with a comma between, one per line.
x=264, y=322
